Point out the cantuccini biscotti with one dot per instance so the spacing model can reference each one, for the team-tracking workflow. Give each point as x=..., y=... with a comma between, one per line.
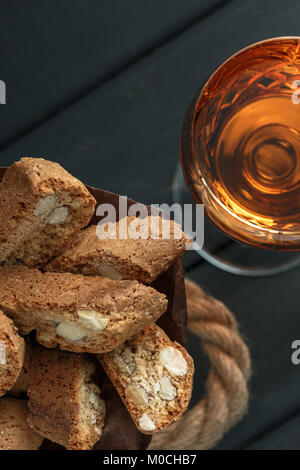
x=153, y=376
x=77, y=313
x=15, y=433
x=12, y=350
x=143, y=259
x=64, y=400
x=41, y=207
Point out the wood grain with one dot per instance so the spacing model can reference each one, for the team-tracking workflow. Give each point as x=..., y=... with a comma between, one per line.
x=53, y=52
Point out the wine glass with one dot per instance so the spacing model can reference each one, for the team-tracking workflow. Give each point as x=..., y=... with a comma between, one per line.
x=240, y=151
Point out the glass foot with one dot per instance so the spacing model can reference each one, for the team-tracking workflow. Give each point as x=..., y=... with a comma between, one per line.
x=265, y=262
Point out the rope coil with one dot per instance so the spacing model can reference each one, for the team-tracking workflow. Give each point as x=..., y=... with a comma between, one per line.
x=227, y=393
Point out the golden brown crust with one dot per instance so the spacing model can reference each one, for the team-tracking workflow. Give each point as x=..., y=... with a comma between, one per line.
x=77, y=313
x=141, y=259
x=15, y=434
x=64, y=401
x=41, y=207
x=154, y=395
x=12, y=350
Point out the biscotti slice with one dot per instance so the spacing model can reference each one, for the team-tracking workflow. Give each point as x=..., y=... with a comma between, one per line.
x=21, y=385
x=64, y=400
x=15, y=433
x=41, y=207
x=143, y=259
x=153, y=376
x=12, y=350
x=77, y=313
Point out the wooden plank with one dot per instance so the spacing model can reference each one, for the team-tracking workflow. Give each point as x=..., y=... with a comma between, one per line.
x=284, y=437
x=267, y=310
x=54, y=51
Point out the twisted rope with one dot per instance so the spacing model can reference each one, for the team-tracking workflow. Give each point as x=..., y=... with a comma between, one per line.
x=226, y=397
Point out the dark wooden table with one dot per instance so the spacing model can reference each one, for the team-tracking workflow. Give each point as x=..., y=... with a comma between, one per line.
x=102, y=87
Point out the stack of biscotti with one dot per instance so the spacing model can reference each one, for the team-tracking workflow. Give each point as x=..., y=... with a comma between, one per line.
x=82, y=296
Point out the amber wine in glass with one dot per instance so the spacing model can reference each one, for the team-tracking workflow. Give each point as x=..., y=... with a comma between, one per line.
x=240, y=146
